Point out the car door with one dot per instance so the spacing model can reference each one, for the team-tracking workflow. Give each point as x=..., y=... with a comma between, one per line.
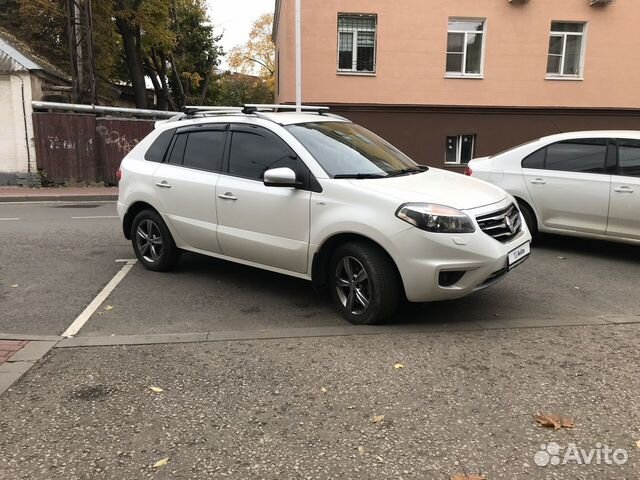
x=265, y=225
x=185, y=184
x=624, y=212
x=569, y=184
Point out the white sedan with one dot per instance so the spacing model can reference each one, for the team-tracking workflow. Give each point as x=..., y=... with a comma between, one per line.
x=583, y=184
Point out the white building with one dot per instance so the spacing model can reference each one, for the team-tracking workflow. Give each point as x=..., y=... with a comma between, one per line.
x=24, y=77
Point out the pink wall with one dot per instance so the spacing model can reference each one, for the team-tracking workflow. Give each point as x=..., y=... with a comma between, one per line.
x=411, y=45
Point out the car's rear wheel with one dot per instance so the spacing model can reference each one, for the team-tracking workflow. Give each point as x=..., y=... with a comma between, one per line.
x=364, y=284
x=152, y=242
x=529, y=219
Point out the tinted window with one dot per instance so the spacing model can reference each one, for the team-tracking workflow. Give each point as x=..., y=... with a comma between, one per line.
x=159, y=147
x=253, y=153
x=177, y=151
x=585, y=155
x=629, y=157
x=535, y=160
x=205, y=149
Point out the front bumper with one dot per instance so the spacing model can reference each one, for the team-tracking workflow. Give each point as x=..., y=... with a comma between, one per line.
x=421, y=257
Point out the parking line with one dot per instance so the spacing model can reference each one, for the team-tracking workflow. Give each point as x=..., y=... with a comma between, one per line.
x=94, y=216
x=8, y=219
x=79, y=322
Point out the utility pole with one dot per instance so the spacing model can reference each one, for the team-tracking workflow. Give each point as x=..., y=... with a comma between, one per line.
x=81, y=48
x=298, y=58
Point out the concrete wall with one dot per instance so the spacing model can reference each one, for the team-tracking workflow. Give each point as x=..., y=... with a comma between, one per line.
x=411, y=52
x=15, y=151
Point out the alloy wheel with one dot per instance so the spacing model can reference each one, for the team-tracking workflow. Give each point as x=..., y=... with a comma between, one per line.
x=352, y=285
x=149, y=240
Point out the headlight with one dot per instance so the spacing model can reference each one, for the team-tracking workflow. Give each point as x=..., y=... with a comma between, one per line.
x=435, y=218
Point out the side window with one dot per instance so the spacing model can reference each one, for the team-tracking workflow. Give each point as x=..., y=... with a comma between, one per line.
x=583, y=155
x=629, y=158
x=158, y=148
x=535, y=160
x=177, y=151
x=205, y=149
x=254, y=152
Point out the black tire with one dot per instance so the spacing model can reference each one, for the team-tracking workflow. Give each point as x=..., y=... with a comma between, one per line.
x=160, y=253
x=530, y=220
x=383, y=285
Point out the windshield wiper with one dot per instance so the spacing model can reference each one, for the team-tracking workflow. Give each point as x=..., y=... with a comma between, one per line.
x=359, y=175
x=406, y=171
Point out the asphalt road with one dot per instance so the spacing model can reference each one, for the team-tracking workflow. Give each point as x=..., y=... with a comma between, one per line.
x=240, y=406
x=304, y=408
x=61, y=255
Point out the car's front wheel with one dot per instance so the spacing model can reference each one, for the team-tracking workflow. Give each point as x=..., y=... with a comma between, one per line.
x=152, y=242
x=364, y=283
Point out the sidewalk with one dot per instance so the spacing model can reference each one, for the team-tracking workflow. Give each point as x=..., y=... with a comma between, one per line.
x=55, y=194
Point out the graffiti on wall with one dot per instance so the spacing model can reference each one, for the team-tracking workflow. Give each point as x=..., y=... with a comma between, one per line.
x=113, y=137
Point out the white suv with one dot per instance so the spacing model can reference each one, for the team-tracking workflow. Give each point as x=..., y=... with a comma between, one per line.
x=315, y=196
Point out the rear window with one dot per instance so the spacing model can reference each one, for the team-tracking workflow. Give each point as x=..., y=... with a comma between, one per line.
x=158, y=148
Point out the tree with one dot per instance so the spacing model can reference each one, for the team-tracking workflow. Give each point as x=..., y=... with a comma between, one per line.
x=169, y=42
x=236, y=89
x=258, y=54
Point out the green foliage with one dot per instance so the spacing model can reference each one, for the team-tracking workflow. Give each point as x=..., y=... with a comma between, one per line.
x=236, y=89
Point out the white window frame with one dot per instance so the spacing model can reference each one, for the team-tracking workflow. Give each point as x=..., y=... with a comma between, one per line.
x=354, y=46
x=583, y=44
x=459, y=149
x=463, y=74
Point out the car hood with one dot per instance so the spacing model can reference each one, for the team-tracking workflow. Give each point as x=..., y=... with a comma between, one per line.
x=437, y=186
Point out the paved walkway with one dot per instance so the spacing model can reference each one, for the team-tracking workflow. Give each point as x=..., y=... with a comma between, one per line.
x=48, y=194
x=9, y=347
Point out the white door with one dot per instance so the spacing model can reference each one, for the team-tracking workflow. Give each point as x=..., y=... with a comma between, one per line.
x=624, y=213
x=186, y=182
x=569, y=185
x=265, y=225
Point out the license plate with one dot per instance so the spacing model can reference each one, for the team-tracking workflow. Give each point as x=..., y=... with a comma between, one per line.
x=519, y=254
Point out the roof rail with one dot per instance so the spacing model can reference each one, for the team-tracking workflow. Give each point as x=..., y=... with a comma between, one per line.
x=256, y=107
x=191, y=110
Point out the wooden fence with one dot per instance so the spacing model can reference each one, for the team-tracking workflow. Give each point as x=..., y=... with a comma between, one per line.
x=84, y=148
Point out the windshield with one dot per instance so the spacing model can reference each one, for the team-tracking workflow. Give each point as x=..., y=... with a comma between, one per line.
x=347, y=150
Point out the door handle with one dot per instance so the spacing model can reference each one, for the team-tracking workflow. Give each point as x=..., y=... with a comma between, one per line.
x=227, y=196
x=538, y=181
x=623, y=189
x=163, y=184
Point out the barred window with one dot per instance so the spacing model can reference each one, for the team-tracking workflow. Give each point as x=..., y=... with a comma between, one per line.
x=357, y=43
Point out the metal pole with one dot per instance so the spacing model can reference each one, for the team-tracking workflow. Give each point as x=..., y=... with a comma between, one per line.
x=298, y=60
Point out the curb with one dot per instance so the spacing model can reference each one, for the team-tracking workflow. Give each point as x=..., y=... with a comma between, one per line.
x=110, y=197
x=22, y=361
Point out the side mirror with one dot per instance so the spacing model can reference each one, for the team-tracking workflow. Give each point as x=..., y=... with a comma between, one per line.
x=280, y=177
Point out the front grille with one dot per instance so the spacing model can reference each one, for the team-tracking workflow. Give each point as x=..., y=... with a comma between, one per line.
x=502, y=225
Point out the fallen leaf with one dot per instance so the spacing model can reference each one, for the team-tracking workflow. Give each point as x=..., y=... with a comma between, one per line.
x=161, y=463
x=638, y=444
x=14, y=285
x=380, y=459
x=323, y=390
x=398, y=366
x=361, y=449
x=555, y=421
x=156, y=389
x=108, y=307
x=461, y=476
x=377, y=419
